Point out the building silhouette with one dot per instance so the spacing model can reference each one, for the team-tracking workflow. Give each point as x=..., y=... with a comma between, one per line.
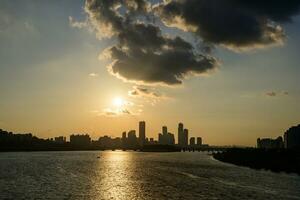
x=199, y=141
x=180, y=134
x=292, y=138
x=192, y=141
x=80, y=140
x=185, y=137
x=269, y=143
x=132, y=140
x=165, y=137
x=142, y=133
x=60, y=139
x=107, y=142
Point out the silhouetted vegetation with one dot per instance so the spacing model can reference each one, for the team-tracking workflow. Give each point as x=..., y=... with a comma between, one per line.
x=277, y=160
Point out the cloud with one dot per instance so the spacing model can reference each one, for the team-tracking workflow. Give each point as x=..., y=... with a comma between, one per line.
x=271, y=94
x=274, y=94
x=114, y=112
x=236, y=24
x=77, y=24
x=93, y=74
x=138, y=91
x=144, y=55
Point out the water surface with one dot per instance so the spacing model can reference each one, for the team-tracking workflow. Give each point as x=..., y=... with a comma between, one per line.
x=135, y=175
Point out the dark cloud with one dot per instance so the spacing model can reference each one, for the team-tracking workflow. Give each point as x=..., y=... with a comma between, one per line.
x=232, y=23
x=285, y=93
x=143, y=54
x=145, y=92
x=275, y=94
x=271, y=94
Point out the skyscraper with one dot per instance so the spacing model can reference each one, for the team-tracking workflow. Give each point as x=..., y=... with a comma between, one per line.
x=180, y=134
x=142, y=133
x=185, y=137
x=199, y=141
x=132, y=139
x=164, y=130
x=292, y=138
x=192, y=141
x=124, y=139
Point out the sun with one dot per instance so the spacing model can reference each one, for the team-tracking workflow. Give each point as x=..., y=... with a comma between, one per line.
x=118, y=102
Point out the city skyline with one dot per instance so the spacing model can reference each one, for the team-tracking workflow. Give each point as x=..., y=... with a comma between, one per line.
x=59, y=75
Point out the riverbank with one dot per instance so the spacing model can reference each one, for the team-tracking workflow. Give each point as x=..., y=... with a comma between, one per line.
x=275, y=160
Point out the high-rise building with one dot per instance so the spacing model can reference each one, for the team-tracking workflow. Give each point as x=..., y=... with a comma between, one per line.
x=192, y=141
x=164, y=130
x=160, y=138
x=180, y=134
x=166, y=138
x=292, y=138
x=199, y=141
x=132, y=139
x=142, y=133
x=124, y=139
x=185, y=137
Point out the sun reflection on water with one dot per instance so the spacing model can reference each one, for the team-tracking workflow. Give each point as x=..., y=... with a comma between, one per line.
x=115, y=171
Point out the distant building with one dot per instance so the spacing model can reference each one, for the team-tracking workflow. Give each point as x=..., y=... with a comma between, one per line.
x=124, y=139
x=107, y=142
x=185, y=137
x=180, y=134
x=160, y=138
x=199, y=141
x=192, y=141
x=151, y=141
x=268, y=143
x=166, y=137
x=164, y=130
x=132, y=140
x=292, y=138
x=80, y=140
x=60, y=139
x=142, y=133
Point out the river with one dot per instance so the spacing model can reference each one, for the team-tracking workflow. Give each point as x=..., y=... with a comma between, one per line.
x=136, y=175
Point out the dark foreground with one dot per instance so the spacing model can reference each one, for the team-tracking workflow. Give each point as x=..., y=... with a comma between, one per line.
x=274, y=160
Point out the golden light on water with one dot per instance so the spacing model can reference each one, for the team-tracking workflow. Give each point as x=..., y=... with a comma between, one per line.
x=115, y=180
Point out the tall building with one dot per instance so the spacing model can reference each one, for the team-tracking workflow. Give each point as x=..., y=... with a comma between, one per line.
x=165, y=137
x=180, y=134
x=124, y=139
x=164, y=130
x=160, y=138
x=185, y=137
x=132, y=140
x=292, y=138
x=142, y=133
x=192, y=141
x=199, y=141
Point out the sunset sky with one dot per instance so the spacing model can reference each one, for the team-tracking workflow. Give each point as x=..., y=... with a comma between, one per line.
x=229, y=71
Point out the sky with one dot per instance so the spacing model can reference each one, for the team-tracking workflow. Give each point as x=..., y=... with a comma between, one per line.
x=229, y=70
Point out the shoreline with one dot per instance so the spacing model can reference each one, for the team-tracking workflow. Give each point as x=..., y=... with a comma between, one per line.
x=276, y=160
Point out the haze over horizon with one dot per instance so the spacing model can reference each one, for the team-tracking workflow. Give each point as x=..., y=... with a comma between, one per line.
x=99, y=67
